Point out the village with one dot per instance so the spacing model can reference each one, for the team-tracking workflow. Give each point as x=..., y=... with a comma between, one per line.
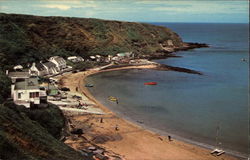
x=35, y=86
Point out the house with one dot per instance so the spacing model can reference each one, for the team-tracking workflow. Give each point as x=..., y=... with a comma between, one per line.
x=125, y=54
x=27, y=92
x=93, y=58
x=51, y=68
x=59, y=62
x=98, y=58
x=38, y=69
x=17, y=77
x=75, y=59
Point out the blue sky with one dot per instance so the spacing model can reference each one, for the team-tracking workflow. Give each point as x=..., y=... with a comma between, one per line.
x=223, y=11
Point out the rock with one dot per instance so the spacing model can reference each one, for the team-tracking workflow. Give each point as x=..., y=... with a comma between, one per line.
x=77, y=131
x=101, y=157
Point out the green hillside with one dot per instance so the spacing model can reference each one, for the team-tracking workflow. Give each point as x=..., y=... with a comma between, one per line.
x=32, y=134
x=26, y=38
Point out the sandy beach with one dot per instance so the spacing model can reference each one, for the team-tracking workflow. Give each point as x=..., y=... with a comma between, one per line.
x=124, y=138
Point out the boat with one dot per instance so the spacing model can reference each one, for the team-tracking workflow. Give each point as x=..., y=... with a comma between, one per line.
x=244, y=60
x=150, y=83
x=114, y=99
x=89, y=85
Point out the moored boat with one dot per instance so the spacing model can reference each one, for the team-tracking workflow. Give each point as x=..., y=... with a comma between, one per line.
x=89, y=85
x=114, y=99
x=150, y=83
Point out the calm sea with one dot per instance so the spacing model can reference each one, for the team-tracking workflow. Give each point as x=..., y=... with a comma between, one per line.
x=188, y=106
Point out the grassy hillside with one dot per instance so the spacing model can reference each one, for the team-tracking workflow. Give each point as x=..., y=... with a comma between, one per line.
x=25, y=38
x=31, y=135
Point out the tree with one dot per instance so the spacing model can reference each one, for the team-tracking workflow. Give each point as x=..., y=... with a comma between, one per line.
x=5, y=84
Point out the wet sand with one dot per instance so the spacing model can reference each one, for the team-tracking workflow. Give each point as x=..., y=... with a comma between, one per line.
x=124, y=138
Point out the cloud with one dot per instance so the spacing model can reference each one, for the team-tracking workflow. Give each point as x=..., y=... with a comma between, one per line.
x=134, y=10
x=57, y=6
x=66, y=5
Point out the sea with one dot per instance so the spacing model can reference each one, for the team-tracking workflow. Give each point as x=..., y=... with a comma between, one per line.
x=210, y=110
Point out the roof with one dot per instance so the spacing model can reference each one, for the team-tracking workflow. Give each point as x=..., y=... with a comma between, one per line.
x=40, y=67
x=58, y=59
x=72, y=57
x=121, y=54
x=19, y=74
x=27, y=84
x=49, y=64
x=18, y=67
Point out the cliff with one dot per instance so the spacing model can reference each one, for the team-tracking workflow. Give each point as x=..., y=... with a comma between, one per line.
x=26, y=38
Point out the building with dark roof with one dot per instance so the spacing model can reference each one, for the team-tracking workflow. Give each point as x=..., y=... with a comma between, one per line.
x=51, y=68
x=38, y=69
x=59, y=61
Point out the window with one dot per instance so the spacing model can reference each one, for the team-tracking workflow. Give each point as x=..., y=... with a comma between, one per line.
x=19, y=96
x=34, y=94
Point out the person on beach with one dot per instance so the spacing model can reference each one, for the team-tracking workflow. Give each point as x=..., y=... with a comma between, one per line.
x=169, y=138
x=116, y=128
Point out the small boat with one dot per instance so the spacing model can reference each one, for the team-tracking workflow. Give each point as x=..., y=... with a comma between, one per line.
x=89, y=85
x=114, y=99
x=150, y=83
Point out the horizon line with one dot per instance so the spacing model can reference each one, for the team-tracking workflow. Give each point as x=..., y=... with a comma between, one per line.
x=128, y=20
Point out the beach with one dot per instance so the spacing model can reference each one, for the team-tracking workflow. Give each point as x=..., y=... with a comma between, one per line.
x=123, y=137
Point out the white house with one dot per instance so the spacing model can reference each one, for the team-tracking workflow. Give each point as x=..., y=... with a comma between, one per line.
x=93, y=58
x=51, y=68
x=125, y=54
x=16, y=77
x=38, y=69
x=59, y=62
x=27, y=92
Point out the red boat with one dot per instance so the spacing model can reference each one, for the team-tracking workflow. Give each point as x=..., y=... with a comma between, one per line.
x=150, y=83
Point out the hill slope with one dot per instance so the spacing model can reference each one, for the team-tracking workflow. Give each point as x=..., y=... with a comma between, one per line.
x=31, y=134
x=26, y=38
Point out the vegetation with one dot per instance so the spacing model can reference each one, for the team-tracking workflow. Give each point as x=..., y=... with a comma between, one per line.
x=5, y=84
x=25, y=39
x=86, y=65
x=30, y=134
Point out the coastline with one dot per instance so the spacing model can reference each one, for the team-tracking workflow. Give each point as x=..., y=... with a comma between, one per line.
x=131, y=140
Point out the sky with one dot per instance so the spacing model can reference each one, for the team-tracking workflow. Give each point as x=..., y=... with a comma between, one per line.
x=201, y=11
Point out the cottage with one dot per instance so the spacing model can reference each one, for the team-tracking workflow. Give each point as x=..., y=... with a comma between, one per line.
x=59, y=62
x=38, y=69
x=125, y=54
x=16, y=77
x=98, y=58
x=93, y=58
x=27, y=92
x=51, y=68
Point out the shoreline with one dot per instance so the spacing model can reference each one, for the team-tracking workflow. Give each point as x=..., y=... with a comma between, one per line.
x=177, y=146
